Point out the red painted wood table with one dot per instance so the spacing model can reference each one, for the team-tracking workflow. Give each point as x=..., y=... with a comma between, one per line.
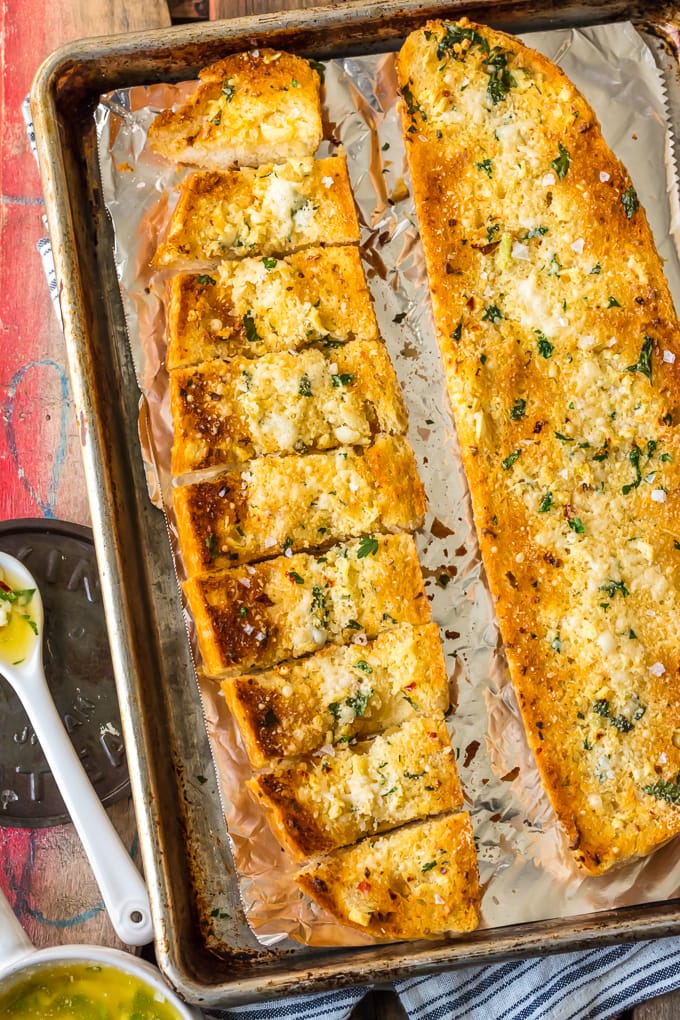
x=43, y=871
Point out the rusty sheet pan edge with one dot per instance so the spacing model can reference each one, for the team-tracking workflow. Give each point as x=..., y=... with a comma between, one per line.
x=120, y=512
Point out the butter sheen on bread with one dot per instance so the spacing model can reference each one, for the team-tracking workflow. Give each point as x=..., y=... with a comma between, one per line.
x=257, y=615
x=258, y=305
x=257, y=107
x=559, y=342
x=270, y=210
x=340, y=693
x=318, y=804
x=414, y=882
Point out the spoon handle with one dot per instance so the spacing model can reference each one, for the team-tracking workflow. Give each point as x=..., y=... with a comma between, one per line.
x=120, y=883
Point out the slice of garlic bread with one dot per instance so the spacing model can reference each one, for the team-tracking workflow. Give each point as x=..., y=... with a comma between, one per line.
x=250, y=108
x=415, y=882
x=262, y=613
x=271, y=210
x=340, y=693
x=324, y=802
x=561, y=348
x=226, y=412
x=254, y=306
x=278, y=503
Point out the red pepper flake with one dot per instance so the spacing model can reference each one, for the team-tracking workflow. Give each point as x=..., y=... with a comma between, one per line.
x=410, y=687
x=364, y=887
x=5, y=587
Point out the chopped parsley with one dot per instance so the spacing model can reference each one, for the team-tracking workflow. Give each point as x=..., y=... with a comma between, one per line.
x=458, y=331
x=507, y=463
x=249, y=325
x=644, y=362
x=634, y=458
x=358, y=702
x=364, y=666
x=536, y=232
x=613, y=303
x=630, y=202
x=212, y=546
x=554, y=266
x=368, y=546
x=500, y=78
x=546, y=503
x=294, y=576
x=305, y=387
x=204, y=280
x=452, y=43
x=561, y=162
x=518, y=409
x=486, y=166
x=270, y=263
x=492, y=313
x=412, y=105
x=545, y=348
x=664, y=789
x=319, y=68
x=596, y=270
x=343, y=379
x=577, y=525
x=228, y=90
x=614, y=587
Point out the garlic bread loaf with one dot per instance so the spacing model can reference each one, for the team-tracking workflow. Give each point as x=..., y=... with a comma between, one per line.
x=250, y=108
x=340, y=693
x=257, y=615
x=278, y=503
x=270, y=210
x=226, y=412
x=560, y=346
x=320, y=803
x=253, y=306
x=415, y=882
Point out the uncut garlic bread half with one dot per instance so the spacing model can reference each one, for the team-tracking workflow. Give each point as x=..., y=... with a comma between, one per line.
x=298, y=502
x=321, y=803
x=415, y=882
x=561, y=347
x=250, y=108
x=339, y=693
x=226, y=412
x=268, y=211
x=257, y=615
x=254, y=306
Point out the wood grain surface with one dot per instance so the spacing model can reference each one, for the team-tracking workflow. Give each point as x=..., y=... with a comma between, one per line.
x=44, y=871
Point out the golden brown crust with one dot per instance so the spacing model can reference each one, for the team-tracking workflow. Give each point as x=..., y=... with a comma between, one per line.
x=261, y=614
x=279, y=503
x=560, y=342
x=251, y=108
x=271, y=210
x=226, y=412
x=286, y=303
x=320, y=803
x=339, y=693
x=415, y=882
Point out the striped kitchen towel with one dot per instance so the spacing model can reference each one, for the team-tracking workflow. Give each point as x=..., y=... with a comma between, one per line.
x=596, y=984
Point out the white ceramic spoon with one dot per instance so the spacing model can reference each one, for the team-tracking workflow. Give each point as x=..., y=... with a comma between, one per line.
x=120, y=883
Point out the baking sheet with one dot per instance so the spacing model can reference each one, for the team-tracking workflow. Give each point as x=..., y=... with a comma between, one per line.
x=526, y=872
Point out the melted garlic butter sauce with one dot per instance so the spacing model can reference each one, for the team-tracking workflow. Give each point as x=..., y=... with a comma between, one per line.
x=17, y=626
x=83, y=991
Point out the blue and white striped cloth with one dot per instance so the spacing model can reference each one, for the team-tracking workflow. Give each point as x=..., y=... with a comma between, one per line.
x=595, y=984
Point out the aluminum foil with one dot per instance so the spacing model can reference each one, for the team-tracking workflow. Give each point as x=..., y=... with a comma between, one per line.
x=526, y=871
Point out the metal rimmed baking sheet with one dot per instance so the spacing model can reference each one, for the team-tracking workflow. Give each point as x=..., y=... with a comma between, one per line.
x=203, y=942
